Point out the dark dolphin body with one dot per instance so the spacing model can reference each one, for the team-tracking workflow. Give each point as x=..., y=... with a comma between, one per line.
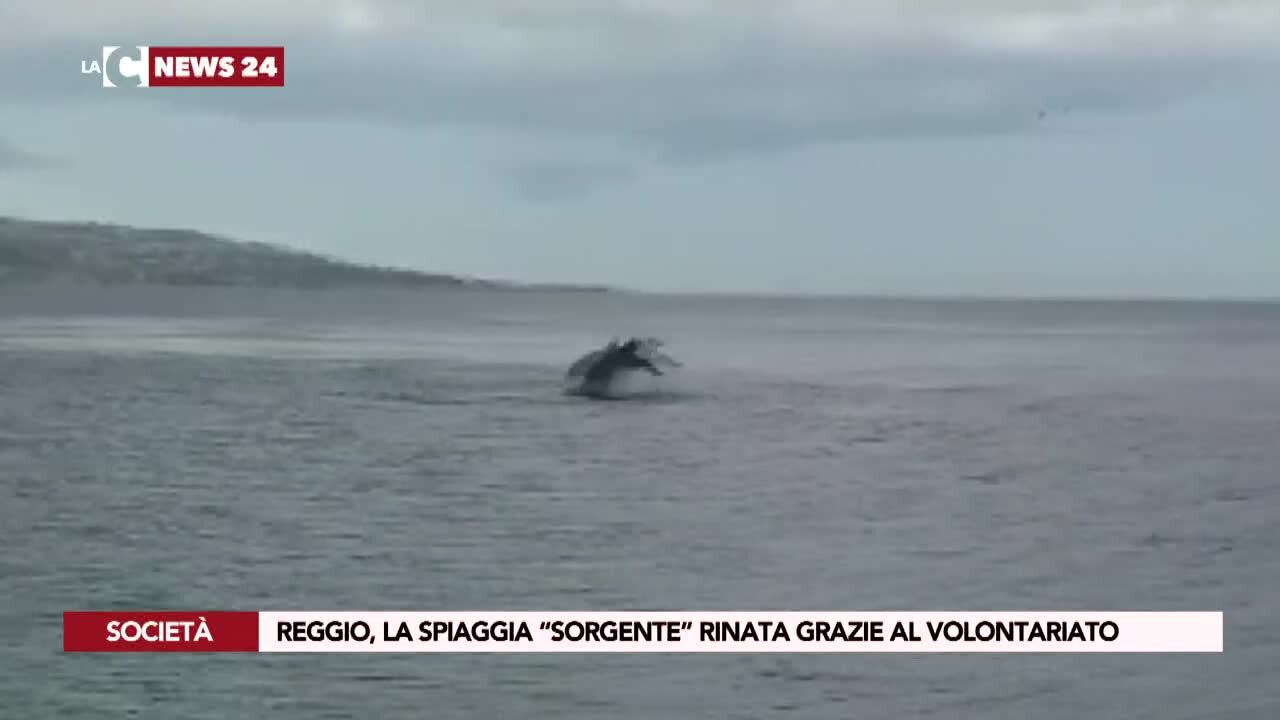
x=580, y=366
x=592, y=374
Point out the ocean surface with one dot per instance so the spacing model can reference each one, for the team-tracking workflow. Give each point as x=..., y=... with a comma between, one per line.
x=254, y=449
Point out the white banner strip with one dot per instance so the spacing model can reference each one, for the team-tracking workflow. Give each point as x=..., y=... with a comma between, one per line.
x=754, y=632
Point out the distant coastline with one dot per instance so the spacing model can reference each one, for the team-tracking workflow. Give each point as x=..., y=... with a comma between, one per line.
x=106, y=254
x=93, y=254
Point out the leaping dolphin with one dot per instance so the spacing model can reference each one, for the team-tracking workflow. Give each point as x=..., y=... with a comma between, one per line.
x=595, y=371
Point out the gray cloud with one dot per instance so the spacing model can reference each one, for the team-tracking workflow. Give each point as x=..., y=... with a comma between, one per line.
x=693, y=86
x=14, y=158
x=558, y=180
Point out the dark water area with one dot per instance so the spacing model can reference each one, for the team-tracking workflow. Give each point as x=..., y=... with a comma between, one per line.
x=354, y=450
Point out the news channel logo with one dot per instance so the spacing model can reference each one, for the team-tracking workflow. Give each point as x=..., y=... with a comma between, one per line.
x=120, y=66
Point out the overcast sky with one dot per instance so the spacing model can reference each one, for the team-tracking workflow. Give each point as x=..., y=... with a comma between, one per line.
x=855, y=146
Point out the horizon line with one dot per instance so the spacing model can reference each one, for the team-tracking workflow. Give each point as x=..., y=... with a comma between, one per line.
x=947, y=297
x=596, y=287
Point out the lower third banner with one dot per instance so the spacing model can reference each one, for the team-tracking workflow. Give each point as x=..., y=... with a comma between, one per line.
x=643, y=632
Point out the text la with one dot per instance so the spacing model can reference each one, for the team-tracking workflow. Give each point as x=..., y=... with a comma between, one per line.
x=90, y=67
x=402, y=633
